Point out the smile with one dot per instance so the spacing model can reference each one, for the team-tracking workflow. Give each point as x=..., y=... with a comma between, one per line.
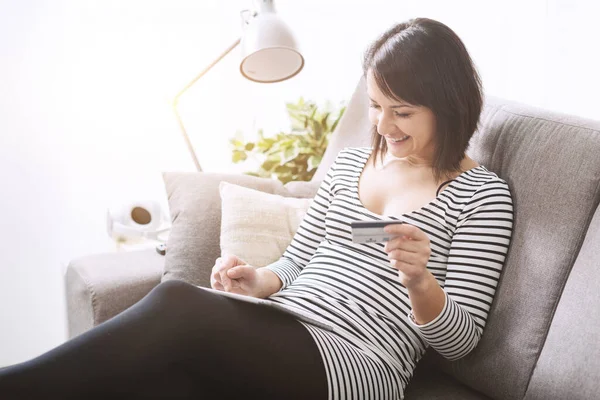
x=397, y=140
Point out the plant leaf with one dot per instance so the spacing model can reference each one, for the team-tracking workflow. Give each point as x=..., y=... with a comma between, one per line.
x=313, y=162
x=236, y=143
x=238, y=156
x=269, y=164
x=324, y=121
x=289, y=154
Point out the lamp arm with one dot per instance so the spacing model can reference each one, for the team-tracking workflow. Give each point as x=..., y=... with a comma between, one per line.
x=192, y=82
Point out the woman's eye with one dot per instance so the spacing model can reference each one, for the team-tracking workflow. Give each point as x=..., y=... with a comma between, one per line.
x=401, y=115
x=374, y=106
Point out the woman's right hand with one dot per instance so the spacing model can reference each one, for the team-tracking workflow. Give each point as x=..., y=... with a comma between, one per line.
x=232, y=274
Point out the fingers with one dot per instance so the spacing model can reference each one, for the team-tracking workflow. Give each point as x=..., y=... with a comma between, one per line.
x=215, y=279
x=406, y=230
x=227, y=262
x=402, y=256
x=409, y=248
x=214, y=282
x=408, y=238
x=401, y=243
x=410, y=251
x=404, y=267
x=226, y=271
x=239, y=275
x=217, y=285
x=225, y=281
x=218, y=277
x=238, y=272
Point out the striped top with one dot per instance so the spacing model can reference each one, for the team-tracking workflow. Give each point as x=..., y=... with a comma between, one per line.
x=375, y=347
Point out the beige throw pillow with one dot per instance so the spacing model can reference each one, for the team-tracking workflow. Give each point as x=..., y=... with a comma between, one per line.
x=256, y=226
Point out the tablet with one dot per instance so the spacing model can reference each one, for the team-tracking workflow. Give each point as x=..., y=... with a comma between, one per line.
x=299, y=313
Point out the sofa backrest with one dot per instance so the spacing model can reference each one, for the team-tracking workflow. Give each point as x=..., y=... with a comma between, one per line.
x=551, y=162
x=352, y=129
x=569, y=364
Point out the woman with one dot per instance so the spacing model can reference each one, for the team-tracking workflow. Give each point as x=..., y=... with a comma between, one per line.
x=432, y=284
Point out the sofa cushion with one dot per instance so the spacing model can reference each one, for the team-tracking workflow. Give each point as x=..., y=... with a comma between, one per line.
x=429, y=383
x=195, y=207
x=258, y=226
x=569, y=365
x=551, y=164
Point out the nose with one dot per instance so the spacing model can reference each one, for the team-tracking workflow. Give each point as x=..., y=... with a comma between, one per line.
x=384, y=125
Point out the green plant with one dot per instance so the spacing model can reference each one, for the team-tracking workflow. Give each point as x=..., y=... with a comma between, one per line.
x=294, y=155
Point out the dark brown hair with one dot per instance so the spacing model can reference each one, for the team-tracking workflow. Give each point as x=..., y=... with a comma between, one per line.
x=424, y=63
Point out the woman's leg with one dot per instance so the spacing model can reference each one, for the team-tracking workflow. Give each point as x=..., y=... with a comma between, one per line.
x=178, y=342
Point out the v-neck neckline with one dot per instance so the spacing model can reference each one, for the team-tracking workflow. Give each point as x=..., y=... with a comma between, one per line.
x=425, y=207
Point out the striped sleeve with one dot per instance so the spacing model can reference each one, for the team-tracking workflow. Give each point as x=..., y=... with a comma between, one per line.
x=477, y=253
x=308, y=236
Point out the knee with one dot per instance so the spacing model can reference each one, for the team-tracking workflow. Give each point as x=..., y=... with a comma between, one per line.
x=173, y=285
x=173, y=292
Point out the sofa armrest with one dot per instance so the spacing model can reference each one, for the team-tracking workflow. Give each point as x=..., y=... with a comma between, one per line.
x=101, y=286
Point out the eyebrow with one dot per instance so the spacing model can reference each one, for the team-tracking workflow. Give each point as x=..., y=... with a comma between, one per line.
x=398, y=106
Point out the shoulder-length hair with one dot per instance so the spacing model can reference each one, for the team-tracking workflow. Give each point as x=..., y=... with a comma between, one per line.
x=424, y=63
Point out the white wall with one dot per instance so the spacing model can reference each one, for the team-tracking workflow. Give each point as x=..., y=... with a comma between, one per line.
x=85, y=118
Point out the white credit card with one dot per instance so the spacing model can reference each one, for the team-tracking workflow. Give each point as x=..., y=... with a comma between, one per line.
x=371, y=231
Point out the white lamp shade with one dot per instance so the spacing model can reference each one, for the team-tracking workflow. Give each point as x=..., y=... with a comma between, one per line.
x=269, y=50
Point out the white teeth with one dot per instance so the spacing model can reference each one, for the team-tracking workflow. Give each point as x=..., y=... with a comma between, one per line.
x=399, y=140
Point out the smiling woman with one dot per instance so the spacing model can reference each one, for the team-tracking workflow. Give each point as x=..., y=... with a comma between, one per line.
x=431, y=285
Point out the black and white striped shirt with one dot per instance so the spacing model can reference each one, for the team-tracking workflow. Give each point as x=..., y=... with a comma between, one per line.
x=375, y=347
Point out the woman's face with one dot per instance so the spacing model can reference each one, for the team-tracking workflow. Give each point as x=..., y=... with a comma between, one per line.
x=413, y=126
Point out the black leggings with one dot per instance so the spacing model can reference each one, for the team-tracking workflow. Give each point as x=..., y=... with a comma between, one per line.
x=178, y=342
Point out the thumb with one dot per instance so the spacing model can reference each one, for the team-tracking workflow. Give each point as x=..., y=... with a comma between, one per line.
x=239, y=272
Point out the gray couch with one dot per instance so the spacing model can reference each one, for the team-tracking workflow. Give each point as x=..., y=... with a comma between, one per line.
x=542, y=338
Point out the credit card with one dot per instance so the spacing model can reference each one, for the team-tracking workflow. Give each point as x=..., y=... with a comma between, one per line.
x=371, y=231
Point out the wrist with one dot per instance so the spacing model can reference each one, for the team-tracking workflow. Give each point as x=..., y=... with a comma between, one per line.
x=422, y=284
x=269, y=282
x=427, y=300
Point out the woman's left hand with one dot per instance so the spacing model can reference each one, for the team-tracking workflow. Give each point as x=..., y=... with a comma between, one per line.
x=408, y=250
